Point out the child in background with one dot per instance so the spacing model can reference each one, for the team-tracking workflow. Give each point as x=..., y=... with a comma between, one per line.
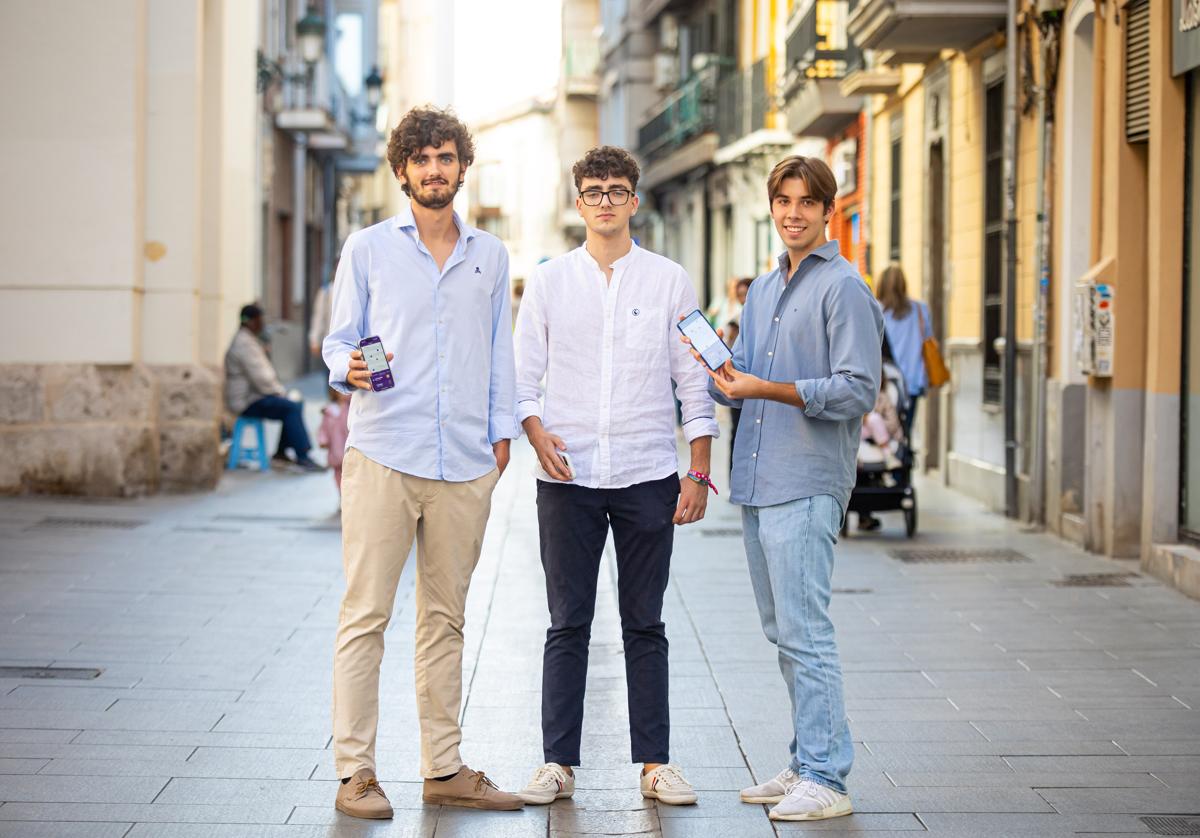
x=334, y=430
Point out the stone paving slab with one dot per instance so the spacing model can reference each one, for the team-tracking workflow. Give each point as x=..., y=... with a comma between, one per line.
x=983, y=699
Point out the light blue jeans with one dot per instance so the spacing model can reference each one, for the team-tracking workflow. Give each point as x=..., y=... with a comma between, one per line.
x=789, y=548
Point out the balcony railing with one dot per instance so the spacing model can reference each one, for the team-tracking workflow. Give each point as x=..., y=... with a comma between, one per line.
x=818, y=45
x=581, y=66
x=686, y=113
x=743, y=103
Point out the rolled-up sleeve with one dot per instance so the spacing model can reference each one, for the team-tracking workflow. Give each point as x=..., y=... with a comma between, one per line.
x=502, y=422
x=691, y=381
x=348, y=315
x=531, y=341
x=854, y=327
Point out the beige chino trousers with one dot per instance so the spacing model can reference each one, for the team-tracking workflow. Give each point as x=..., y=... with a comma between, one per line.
x=382, y=512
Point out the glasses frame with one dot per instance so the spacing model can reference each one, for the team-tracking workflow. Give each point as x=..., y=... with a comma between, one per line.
x=609, y=194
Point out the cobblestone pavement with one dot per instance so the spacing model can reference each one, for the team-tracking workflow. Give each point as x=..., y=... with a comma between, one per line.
x=986, y=698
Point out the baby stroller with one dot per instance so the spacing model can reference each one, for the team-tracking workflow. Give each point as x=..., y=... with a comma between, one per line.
x=884, y=472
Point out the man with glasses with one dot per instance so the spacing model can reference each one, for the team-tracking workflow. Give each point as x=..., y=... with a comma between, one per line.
x=597, y=325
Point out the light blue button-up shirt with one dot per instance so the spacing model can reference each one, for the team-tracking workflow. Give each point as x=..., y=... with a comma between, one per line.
x=823, y=330
x=451, y=333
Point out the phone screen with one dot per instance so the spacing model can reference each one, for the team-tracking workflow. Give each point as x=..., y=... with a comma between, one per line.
x=375, y=357
x=705, y=340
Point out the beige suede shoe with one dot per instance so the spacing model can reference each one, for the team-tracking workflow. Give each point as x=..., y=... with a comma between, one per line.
x=471, y=789
x=362, y=797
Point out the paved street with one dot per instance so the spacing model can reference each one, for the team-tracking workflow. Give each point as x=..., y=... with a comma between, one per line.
x=985, y=698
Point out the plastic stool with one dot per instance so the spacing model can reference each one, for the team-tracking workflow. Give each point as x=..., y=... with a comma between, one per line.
x=239, y=453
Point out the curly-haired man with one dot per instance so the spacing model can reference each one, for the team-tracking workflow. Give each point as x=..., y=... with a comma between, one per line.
x=422, y=457
x=596, y=324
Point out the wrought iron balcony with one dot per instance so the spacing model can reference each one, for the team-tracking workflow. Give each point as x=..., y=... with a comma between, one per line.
x=743, y=103
x=916, y=30
x=686, y=113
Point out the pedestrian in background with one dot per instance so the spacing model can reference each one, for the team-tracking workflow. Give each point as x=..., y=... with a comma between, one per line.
x=907, y=323
x=805, y=370
x=333, y=432
x=252, y=388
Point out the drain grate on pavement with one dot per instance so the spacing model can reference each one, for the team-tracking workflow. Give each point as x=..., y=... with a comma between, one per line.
x=719, y=532
x=956, y=556
x=1096, y=580
x=56, y=673
x=1173, y=824
x=54, y=523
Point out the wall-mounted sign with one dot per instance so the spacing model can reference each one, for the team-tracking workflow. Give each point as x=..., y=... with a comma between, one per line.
x=1185, y=39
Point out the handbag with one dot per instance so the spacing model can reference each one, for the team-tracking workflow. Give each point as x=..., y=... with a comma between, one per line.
x=935, y=366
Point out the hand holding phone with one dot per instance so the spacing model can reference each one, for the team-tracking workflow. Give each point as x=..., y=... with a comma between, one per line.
x=369, y=369
x=704, y=340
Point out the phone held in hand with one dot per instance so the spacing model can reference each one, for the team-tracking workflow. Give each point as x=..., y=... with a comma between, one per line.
x=562, y=455
x=377, y=364
x=705, y=340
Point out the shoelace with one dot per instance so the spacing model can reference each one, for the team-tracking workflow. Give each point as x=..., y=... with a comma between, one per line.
x=482, y=779
x=670, y=775
x=811, y=787
x=369, y=785
x=547, y=772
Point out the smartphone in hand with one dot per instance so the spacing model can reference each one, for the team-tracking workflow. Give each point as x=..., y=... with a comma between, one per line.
x=377, y=364
x=705, y=340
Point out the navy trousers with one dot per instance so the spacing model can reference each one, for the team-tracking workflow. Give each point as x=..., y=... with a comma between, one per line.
x=573, y=522
x=293, y=434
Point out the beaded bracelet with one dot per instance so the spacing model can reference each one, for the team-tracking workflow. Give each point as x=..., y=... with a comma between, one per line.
x=702, y=478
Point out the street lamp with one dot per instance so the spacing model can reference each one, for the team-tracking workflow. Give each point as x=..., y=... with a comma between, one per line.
x=374, y=85
x=310, y=32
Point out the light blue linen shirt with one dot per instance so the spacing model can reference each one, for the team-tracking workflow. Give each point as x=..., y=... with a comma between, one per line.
x=451, y=333
x=823, y=330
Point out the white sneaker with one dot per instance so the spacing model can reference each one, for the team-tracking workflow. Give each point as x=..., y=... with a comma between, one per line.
x=667, y=785
x=550, y=782
x=773, y=790
x=808, y=800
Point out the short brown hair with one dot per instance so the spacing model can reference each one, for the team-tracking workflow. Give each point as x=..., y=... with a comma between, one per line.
x=607, y=161
x=815, y=173
x=425, y=126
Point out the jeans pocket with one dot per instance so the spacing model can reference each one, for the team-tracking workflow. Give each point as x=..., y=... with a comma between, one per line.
x=837, y=515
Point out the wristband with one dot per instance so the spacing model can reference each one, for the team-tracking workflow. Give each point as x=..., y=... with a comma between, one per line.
x=702, y=478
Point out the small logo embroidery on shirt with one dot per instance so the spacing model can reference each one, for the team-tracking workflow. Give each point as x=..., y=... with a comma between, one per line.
x=477, y=270
x=636, y=312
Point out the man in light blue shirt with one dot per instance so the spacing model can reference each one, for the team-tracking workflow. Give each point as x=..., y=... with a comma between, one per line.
x=422, y=456
x=806, y=367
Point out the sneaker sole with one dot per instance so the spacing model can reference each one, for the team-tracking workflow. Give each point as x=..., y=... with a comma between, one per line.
x=681, y=800
x=774, y=798
x=543, y=801
x=835, y=811
x=375, y=817
x=474, y=804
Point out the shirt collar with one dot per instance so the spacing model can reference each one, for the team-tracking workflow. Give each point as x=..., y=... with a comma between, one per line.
x=826, y=251
x=584, y=253
x=404, y=220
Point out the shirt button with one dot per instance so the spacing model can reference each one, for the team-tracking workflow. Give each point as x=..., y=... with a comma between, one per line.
x=776, y=319
x=769, y=354
x=755, y=454
x=758, y=421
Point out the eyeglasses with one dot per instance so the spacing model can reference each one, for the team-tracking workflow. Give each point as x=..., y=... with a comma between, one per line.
x=616, y=197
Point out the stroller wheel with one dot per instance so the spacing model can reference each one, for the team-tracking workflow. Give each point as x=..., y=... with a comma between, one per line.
x=910, y=519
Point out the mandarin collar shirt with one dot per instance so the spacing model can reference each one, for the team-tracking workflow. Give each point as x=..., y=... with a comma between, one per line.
x=822, y=330
x=451, y=332
x=601, y=364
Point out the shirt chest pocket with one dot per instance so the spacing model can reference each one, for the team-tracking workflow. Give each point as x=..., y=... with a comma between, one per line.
x=644, y=327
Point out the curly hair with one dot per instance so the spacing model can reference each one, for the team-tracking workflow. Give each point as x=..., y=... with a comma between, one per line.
x=428, y=126
x=607, y=161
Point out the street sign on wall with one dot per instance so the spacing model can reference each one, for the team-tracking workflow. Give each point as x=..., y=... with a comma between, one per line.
x=1185, y=38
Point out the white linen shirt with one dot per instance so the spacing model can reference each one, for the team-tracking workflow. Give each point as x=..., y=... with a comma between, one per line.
x=596, y=361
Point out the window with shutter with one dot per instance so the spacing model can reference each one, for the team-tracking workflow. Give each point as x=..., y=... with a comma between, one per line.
x=1137, y=71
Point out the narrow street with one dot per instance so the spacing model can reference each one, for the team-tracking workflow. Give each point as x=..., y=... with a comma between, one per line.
x=985, y=697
